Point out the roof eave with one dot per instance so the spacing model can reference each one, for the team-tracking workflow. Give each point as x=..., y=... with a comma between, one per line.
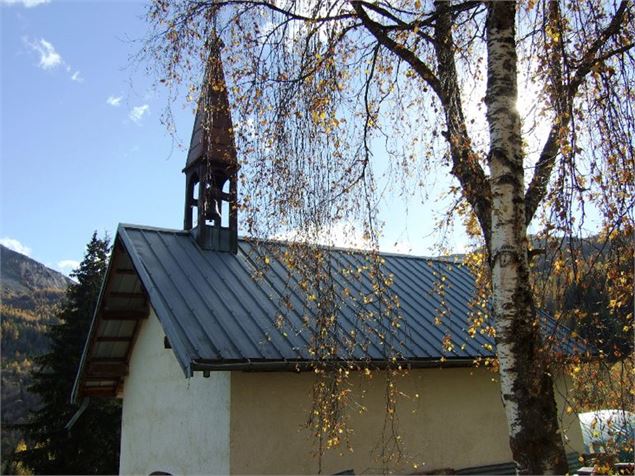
x=122, y=244
x=201, y=365
x=92, y=329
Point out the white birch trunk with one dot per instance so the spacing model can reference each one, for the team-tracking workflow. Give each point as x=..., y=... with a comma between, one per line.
x=526, y=386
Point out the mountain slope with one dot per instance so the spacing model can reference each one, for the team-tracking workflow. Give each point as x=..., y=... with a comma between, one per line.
x=29, y=295
x=23, y=274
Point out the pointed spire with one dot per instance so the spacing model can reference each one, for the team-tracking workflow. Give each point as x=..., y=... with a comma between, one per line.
x=212, y=162
x=213, y=135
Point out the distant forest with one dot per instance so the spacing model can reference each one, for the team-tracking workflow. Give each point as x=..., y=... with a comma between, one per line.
x=29, y=294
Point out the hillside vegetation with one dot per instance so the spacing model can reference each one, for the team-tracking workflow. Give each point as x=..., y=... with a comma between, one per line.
x=29, y=295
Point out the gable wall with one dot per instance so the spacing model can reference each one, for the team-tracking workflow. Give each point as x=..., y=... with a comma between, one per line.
x=170, y=423
x=457, y=421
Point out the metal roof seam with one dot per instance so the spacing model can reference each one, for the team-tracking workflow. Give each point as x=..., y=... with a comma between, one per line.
x=411, y=301
x=266, y=287
x=366, y=287
x=356, y=321
x=254, y=336
x=248, y=311
x=249, y=263
x=461, y=308
x=294, y=290
x=195, y=340
x=230, y=347
x=162, y=309
x=203, y=325
x=355, y=311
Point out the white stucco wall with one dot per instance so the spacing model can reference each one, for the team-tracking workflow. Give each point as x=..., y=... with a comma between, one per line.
x=171, y=423
x=183, y=426
x=449, y=418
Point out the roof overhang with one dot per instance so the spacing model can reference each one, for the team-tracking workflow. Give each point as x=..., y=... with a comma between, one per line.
x=122, y=305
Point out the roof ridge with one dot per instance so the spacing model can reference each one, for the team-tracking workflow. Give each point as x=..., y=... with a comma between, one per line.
x=152, y=228
x=452, y=260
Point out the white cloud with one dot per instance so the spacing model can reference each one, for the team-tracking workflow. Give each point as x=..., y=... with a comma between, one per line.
x=399, y=247
x=25, y=3
x=76, y=77
x=114, y=101
x=15, y=245
x=49, y=58
x=67, y=265
x=340, y=234
x=346, y=235
x=138, y=112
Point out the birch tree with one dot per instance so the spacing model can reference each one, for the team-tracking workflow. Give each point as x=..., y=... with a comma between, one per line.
x=316, y=86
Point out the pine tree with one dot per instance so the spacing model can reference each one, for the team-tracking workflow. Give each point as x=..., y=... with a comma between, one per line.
x=92, y=444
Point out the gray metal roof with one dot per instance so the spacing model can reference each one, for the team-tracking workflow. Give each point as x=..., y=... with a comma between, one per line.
x=250, y=311
x=220, y=308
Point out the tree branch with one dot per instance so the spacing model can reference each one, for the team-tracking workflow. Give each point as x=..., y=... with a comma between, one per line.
x=377, y=30
x=287, y=13
x=538, y=186
x=466, y=168
x=465, y=164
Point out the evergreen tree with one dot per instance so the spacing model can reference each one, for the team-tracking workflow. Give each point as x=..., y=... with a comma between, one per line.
x=92, y=444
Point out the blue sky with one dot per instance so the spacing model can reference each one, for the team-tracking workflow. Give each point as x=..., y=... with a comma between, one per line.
x=82, y=145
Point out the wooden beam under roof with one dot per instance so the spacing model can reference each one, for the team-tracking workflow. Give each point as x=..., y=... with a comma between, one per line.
x=107, y=360
x=106, y=371
x=124, y=315
x=110, y=374
x=114, y=338
x=89, y=391
x=126, y=295
x=109, y=370
x=128, y=271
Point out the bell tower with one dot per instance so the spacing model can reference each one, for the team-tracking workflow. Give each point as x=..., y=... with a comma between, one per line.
x=212, y=165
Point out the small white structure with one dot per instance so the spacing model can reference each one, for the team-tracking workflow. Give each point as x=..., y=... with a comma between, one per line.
x=607, y=429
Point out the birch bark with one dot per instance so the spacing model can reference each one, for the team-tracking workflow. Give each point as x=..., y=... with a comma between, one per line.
x=526, y=385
